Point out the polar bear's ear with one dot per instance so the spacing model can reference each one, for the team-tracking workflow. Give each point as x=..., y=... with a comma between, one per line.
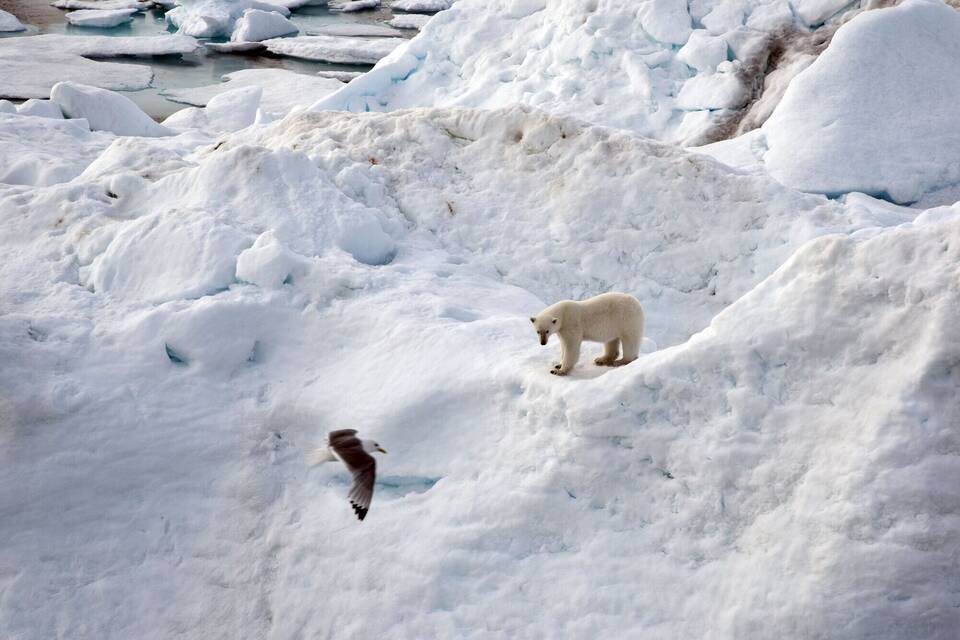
x=554, y=321
x=533, y=319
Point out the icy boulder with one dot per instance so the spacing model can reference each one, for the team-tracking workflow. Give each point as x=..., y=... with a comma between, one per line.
x=104, y=110
x=9, y=22
x=877, y=111
x=256, y=25
x=268, y=263
x=101, y=18
x=213, y=18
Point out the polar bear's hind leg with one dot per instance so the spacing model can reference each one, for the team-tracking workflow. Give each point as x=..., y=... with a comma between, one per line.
x=610, y=352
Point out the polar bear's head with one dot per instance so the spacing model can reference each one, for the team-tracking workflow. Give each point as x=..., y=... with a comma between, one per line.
x=545, y=326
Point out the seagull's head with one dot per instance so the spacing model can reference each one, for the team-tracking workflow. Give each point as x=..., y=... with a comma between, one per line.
x=544, y=326
x=372, y=446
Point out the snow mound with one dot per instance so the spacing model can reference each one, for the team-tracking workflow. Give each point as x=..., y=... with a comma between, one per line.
x=342, y=50
x=214, y=18
x=9, y=22
x=269, y=264
x=44, y=151
x=104, y=110
x=876, y=112
x=256, y=25
x=282, y=89
x=575, y=210
x=100, y=18
x=40, y=109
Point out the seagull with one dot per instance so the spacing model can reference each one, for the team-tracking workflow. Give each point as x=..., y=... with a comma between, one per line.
x=354, y=453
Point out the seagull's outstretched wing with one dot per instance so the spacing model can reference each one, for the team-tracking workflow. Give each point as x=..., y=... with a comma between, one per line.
x=362, y=466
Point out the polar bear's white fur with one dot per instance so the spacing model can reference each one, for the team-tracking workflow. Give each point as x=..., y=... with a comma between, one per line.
x=610, y=318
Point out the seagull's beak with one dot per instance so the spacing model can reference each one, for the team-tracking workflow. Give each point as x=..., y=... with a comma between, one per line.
x=381, y=450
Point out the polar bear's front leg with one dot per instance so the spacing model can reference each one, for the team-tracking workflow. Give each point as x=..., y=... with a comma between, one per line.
x=571, y=353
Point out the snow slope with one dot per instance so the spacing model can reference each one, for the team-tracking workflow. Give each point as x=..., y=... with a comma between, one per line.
x=208, y=311
x=618, y=63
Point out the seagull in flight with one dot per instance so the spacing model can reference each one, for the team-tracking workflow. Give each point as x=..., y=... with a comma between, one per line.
x=354, y=453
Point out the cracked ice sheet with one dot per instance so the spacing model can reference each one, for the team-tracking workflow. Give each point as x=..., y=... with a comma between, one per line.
x=282, y=89
x=343, y=50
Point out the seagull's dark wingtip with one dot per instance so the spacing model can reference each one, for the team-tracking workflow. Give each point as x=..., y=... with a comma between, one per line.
x=360, y=511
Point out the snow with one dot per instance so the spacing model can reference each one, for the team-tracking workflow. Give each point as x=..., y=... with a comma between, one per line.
x=702, y=51
x=282, y=89
x=256, y=25
x=421, y=6
x=343, y=50
x=102, y=18
x=40, y=108
x=214, y=18
x=411, y=21
x=9, y=22
x=104, y=110
x=185, y=317
x=7, y=107
x=816, y=12
x=722, y=90
x=876, y=112
x=356, y=29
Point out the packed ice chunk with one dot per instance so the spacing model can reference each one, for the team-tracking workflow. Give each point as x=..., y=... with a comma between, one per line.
x=100, y=18
x=343, y=50
x=282, y=89
x=408, y=21
x=40, y=108
x=224, y=112
x=725, y=16
x=877, y=111
x=45, y=151
x=771, y=16
x=9, y=22
x=665, y=20
x=722, y=90
x=421, y=6
x=256, y=25
x=269, y=264
x=104, y=110
x=815, y=12
x=213, y=18
x=703, y=51
x=355, y=5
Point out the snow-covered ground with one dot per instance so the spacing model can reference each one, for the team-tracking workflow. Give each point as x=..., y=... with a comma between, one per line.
x=184, y=317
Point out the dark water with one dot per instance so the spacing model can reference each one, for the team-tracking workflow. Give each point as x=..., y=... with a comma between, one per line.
x=194, y=70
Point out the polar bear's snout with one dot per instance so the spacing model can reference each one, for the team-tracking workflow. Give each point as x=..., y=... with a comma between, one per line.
x=543, y=337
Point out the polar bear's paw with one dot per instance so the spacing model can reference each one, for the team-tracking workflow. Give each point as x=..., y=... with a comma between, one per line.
x=604, y=362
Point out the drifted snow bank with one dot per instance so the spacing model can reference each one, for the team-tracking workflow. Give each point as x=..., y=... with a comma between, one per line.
x=877, y=111
x=161, y=419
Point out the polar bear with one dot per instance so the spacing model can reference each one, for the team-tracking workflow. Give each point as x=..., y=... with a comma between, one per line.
x=610, y=318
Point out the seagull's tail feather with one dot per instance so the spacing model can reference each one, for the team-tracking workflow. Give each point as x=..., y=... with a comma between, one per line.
x=319, y=456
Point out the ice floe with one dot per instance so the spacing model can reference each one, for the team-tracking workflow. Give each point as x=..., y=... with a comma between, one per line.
x=355, y=29
x=355, y=5
x=343, y=50
x=101, y=18
x=421, y=6
x=408, y=21
x=213, y=18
